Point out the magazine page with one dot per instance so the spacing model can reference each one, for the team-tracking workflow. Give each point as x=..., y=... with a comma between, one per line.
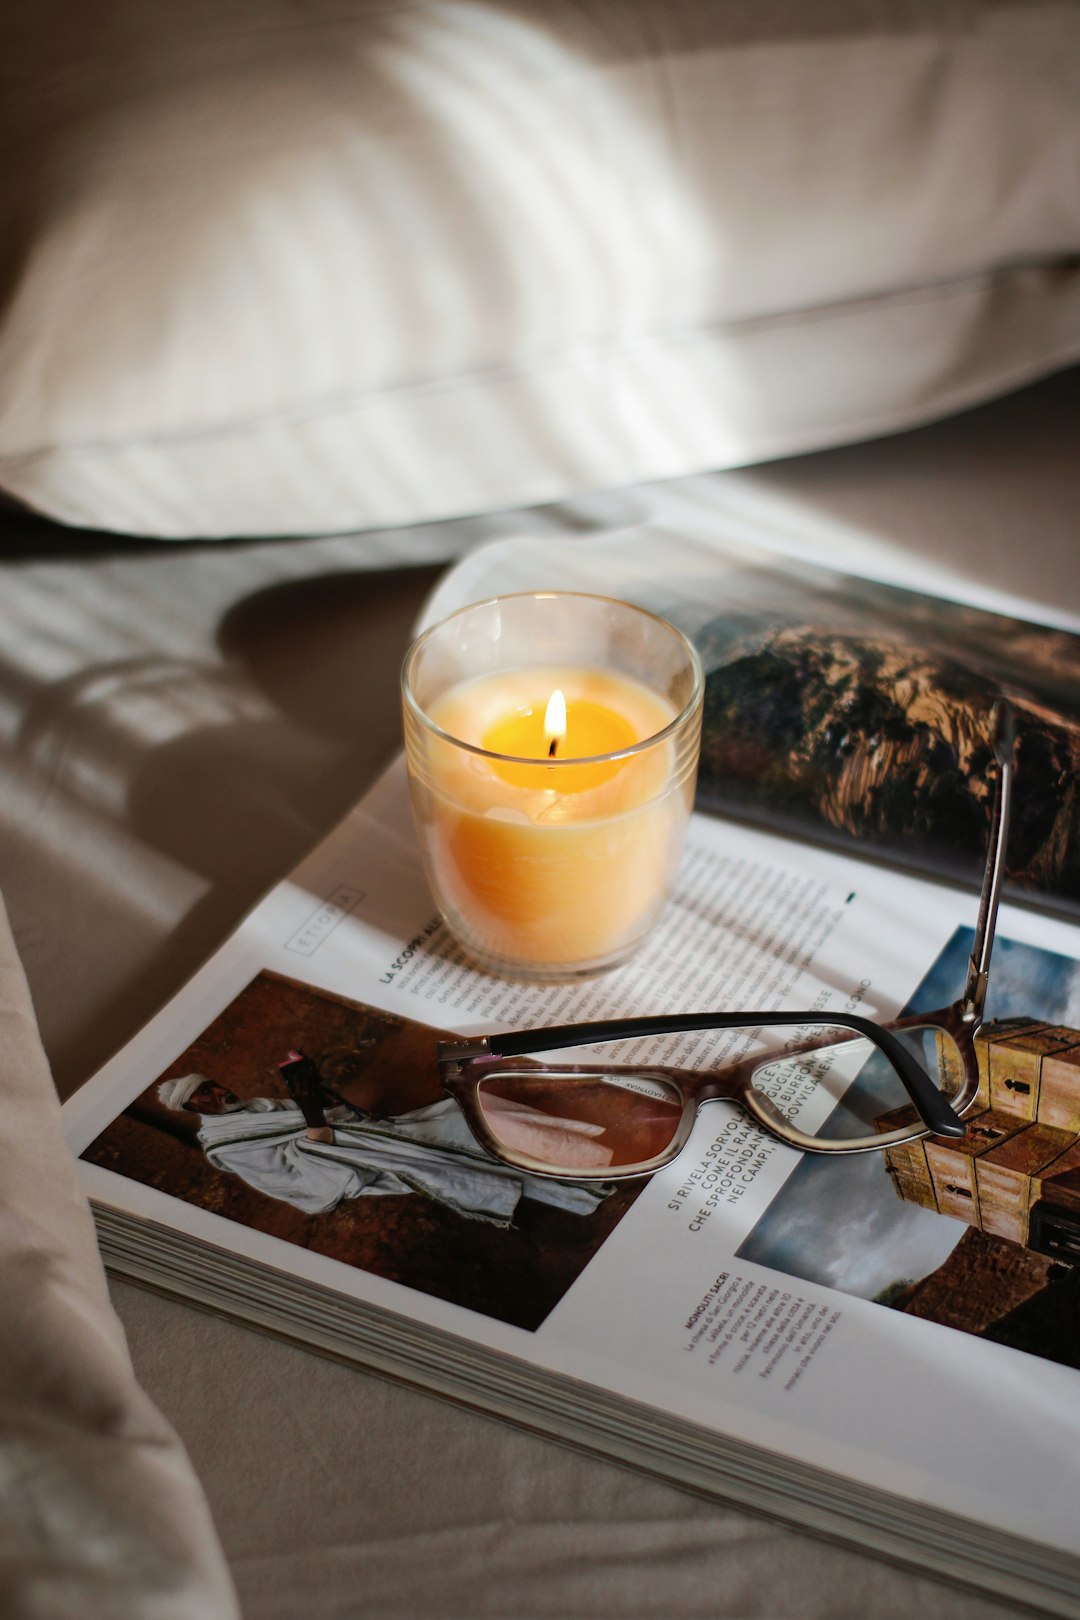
x=837, y=1314
x=841, y=708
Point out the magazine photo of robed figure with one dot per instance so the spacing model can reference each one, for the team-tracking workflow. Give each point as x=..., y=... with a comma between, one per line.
x=322, y=1121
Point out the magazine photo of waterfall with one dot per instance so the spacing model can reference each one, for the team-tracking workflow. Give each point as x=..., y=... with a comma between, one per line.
x=857, y=713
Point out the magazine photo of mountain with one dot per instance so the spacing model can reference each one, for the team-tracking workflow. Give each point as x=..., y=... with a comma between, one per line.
x=857, y=713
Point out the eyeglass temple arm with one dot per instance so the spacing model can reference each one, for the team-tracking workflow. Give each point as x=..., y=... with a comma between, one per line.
x=1004, y=743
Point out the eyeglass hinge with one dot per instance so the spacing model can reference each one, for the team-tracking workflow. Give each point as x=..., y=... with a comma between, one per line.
x=971, y=1003
x=462, y=1051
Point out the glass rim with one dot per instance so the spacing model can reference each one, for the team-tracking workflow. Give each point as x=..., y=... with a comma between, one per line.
x=415, y=708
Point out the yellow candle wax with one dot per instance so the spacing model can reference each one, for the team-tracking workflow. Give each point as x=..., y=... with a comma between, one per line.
x=542, y=860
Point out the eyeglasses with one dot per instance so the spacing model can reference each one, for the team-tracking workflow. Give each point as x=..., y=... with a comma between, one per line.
x=841, y=1084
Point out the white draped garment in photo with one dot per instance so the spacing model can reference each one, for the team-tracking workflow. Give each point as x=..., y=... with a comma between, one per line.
x=429, y=1150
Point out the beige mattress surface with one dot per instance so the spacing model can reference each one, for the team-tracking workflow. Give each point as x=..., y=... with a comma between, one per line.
x=179, y=726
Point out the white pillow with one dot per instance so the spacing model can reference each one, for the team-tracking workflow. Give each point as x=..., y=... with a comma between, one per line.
x=270, y=268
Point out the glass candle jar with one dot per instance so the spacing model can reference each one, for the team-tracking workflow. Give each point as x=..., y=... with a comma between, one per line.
x=551, y=741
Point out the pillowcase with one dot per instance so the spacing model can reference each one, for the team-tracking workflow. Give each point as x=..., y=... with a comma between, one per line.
x=270, y=268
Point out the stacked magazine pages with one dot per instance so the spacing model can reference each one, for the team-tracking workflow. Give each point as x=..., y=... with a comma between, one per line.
x=882, y=1348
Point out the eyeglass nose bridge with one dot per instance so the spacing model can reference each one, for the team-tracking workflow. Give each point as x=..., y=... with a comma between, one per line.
x=735, y=1084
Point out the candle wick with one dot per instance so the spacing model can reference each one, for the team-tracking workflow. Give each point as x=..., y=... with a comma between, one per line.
x=554, y=743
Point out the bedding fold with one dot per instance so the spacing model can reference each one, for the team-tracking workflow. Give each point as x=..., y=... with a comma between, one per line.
x=100, y=1512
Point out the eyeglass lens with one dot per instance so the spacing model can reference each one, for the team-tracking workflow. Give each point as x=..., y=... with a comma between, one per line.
x=848, y=1090
x=588, y=1123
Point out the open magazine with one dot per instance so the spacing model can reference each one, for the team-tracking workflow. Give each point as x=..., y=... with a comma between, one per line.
x=883, y=1349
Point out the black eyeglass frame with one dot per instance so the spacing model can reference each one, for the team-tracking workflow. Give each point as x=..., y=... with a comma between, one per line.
x=465, y=1065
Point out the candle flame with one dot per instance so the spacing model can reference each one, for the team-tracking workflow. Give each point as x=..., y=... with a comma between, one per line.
x=555, y=721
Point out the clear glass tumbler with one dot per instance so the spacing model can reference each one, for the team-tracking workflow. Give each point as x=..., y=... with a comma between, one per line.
x=552, y=743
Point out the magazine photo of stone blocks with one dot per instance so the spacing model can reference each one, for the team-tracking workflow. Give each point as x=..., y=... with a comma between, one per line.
x=1015, y=1180
x=981, y=1233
